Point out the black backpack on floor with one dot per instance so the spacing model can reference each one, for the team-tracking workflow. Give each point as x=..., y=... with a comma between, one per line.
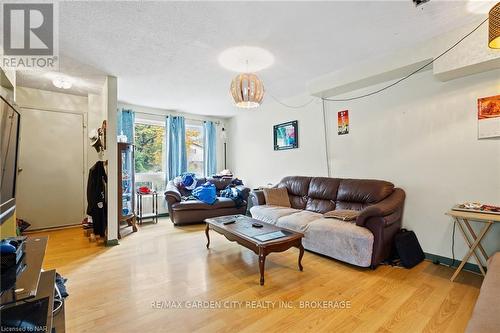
x=407, y=249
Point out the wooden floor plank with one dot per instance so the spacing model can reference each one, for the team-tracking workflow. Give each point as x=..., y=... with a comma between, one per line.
x=118, y=289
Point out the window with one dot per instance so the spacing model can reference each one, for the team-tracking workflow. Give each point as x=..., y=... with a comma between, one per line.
x=149, y=153
x=194, y=147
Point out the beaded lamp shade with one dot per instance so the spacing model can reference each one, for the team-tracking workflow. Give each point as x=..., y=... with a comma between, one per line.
x=494, y=27
x=247, y=90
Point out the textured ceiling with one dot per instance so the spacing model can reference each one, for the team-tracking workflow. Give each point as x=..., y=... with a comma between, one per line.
x=165, y=53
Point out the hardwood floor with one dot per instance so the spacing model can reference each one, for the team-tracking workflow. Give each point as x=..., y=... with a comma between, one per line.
x=127, y=288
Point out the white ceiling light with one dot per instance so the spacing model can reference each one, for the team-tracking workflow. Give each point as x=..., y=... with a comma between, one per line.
x=479, y=6
x=247, y=91
x=62, y=82
x=245, y=59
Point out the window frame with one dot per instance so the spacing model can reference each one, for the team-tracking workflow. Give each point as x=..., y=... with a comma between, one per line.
x=144, y=119
x=199, y=124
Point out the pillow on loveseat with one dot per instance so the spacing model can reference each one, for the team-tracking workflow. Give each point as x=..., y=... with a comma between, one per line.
x=277, y=197
x=342, y=214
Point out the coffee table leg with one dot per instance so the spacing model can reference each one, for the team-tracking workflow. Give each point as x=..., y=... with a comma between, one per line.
x=208, y=237
x=262, y=261
x=301, y=249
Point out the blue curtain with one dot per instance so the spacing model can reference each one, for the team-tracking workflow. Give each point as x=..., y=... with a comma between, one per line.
x=210, y=151
x=176, y=146
x=126, y=119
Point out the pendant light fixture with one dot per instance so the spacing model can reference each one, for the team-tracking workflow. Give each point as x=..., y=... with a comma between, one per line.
x=247, y=90
x=494, y=27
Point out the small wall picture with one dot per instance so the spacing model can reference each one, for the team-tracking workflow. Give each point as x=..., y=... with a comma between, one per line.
x=343, y=122
x=488, y=115
x=286, y=135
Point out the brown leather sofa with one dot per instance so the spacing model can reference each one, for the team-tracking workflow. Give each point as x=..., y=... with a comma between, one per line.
x=184, y=211
x=364, y=242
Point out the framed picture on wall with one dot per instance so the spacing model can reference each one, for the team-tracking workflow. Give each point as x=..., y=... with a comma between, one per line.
x=488, y=115
x=343, y=122
x=286, y=135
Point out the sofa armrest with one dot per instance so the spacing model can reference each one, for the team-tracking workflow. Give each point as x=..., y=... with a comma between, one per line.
x=257, y=197
x=172, y=194
x=390, y=209
x=245, y=191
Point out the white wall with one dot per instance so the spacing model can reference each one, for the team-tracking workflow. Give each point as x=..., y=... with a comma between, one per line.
x=95, y=117
x=49, y=100
x=420, y=135
x=109, y=103
x=89, y=107
x=251, y=152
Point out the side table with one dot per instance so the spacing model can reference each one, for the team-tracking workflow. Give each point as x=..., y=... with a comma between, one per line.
x=154, y=206
x=472, y=240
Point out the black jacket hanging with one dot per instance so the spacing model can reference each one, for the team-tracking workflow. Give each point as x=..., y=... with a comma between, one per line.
x=97, y=207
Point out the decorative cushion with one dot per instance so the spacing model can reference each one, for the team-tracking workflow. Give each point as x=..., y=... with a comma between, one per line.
x=277, y=197
x=342, y=214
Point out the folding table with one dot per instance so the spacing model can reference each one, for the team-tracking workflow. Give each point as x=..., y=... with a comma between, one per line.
x=472, y=240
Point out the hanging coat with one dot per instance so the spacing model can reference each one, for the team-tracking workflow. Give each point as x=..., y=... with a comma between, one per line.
x=97, y=207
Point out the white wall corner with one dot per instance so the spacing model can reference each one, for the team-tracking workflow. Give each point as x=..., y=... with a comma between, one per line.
x=110, y=104
x=8, y=83
x=471, y=56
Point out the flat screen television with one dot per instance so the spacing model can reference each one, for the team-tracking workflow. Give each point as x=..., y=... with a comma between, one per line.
x=9, y=139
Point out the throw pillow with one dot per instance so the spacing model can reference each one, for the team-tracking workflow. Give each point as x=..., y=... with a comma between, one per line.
x=277, y=197
x=342, y=214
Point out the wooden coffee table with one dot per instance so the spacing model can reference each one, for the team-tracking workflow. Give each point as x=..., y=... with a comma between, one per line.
x=244, y=234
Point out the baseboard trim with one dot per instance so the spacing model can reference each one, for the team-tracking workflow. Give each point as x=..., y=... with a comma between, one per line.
x=47, y=229
x=111, y=242
x=448, y=261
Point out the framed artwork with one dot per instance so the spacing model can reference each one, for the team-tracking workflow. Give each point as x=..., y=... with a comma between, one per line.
x=286, y=135
x=343, y=122
x=488, y=117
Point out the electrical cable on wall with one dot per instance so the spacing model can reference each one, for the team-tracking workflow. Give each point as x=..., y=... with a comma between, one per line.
x=388, y=86
x=293, y=106
x=409, y=75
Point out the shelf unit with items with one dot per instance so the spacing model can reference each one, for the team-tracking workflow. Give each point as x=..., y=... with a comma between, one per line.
x=126, y=187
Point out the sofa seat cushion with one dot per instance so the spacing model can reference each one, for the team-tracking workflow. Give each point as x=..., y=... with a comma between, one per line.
x=485, y=316
x=341, y=240
x=271, y=214
x=199, y=205
x=298, y=221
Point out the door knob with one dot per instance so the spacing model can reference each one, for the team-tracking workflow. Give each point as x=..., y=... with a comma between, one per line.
x=19, y=170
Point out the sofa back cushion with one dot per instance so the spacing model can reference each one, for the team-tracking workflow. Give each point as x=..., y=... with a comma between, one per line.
x=220, y=183
x=298, y=188
x=322, y=194
x=357, y=194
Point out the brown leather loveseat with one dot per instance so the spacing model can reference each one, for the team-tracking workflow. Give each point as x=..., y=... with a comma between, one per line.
x=184, y=211
x=364, y=242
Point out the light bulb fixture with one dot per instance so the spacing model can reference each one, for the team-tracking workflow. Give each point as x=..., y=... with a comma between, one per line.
x=494, y=27
x=223, y=134
x=247, y=90
x=62, y=83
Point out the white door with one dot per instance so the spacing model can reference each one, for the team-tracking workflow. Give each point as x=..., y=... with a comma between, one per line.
x=50, y=188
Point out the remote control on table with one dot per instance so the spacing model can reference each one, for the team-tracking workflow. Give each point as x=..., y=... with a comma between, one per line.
x=229, y=222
